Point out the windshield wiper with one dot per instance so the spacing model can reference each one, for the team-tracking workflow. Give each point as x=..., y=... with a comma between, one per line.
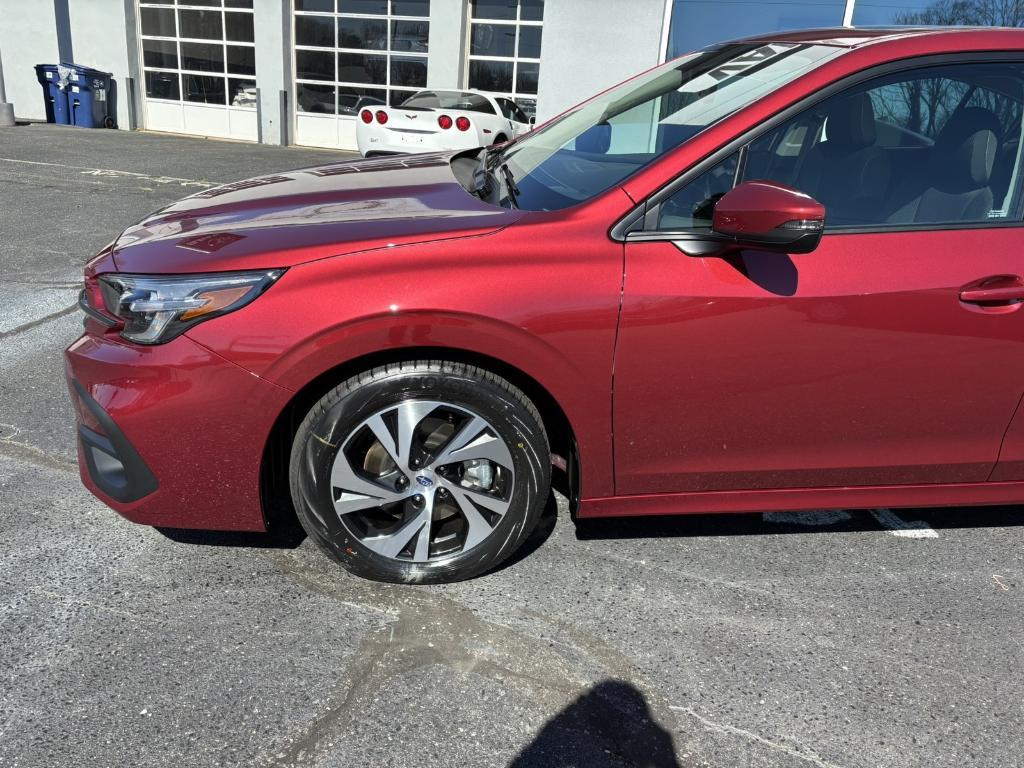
x=481, y=177
x=491, y=161
x=510, y=184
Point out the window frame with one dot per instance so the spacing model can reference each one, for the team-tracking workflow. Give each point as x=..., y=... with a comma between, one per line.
x=514, y=95
x=387, y=53
x=640, y=224
x=178, y=41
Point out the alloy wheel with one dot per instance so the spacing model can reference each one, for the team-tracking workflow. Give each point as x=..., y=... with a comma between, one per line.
x=422, y=480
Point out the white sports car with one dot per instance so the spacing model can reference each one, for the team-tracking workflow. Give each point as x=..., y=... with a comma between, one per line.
x=436, y=121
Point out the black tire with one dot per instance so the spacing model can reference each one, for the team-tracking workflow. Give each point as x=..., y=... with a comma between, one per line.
x=333, y=423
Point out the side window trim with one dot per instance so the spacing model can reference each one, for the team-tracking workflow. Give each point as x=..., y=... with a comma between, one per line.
x=645, y=213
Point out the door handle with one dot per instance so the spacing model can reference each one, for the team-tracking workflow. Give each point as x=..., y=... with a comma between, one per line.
x=1004, y=293
x=997, y=294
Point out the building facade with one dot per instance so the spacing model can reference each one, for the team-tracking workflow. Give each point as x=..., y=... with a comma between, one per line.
x=297, y=71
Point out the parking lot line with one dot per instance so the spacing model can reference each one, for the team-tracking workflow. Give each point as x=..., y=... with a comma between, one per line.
x=116, y=173
x=907, y=529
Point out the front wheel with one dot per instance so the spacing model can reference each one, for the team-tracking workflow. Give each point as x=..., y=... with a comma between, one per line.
x=424, y=471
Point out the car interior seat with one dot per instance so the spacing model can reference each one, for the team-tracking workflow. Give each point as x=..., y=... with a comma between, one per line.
x=956, y=186
x=847, y=172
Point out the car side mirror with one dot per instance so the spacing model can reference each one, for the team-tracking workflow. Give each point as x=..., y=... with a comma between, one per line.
x=533, y=120
x=768, y=216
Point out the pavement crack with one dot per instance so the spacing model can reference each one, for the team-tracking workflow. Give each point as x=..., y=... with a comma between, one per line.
x=679, y=573
x=425, y=629
x=801, y=753
x=37, y=322
x=15, y=449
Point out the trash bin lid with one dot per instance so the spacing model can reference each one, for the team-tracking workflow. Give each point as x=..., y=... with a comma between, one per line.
x=87, y=71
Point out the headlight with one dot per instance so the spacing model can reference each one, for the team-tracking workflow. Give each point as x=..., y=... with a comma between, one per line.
x=156, y=308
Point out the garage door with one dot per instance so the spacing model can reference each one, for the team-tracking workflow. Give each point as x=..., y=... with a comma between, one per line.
x=199, y=65
x=354, y=53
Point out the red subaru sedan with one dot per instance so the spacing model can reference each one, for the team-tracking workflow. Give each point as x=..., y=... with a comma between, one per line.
x=779, y=273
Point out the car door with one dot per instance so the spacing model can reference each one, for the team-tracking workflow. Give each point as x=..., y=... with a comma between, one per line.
x=893, y=354
x=512, y=113
x=520, y=119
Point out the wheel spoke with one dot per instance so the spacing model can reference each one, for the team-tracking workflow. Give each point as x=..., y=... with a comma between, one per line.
x=344, y=477
x=422, y=553
x=393, y=543
x=358, y=502
x=477, y=528
x=410, y=413
x=380, y=430
x=474, y=441
x=493, y=503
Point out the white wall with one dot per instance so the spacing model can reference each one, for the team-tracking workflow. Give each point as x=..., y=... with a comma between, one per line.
x=91, y=33
x=590, y=45
x=27, y=38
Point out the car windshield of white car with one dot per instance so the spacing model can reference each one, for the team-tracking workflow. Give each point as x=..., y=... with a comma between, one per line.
x=451, y=100
x=608, y=138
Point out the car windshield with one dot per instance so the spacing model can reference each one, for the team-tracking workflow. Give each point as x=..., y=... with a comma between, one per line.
x=471, y=102
x=608, y=138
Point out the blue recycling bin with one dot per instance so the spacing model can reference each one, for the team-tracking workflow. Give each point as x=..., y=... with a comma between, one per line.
x=55, y=96
x=89, y=97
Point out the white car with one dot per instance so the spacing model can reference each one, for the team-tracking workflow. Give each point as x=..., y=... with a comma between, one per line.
x=437, y=121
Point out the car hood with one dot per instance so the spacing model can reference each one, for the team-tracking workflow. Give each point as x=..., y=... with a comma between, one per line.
x=285, y=219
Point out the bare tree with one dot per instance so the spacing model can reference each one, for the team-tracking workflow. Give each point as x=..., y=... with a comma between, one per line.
x=972, y=13
x=926, y=104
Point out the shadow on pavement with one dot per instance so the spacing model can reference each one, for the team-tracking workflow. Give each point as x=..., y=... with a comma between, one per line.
x=609, y=725
x=289, y=537
x=288, y=534
x=830, y=521
x=545, y=526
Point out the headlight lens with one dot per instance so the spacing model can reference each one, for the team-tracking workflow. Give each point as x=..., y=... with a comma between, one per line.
x=156, y=308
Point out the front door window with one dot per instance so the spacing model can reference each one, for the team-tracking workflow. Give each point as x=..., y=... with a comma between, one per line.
x=939, y=146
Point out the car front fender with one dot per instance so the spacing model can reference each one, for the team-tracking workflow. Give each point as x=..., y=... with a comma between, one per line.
x=326, y=316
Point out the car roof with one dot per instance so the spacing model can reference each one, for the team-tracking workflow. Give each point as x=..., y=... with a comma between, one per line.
x=854, y=37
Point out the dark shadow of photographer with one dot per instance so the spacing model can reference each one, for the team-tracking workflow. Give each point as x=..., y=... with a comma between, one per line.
x=609, y=725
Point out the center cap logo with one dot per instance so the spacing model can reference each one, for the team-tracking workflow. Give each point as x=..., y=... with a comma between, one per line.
x=425, y=481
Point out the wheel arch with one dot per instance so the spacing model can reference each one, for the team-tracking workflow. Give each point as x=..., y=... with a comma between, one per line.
x=278, y=511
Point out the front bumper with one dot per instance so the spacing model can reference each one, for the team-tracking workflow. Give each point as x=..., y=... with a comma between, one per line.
x=171, y=435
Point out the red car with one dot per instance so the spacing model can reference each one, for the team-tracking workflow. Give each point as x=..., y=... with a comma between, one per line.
x=780, y=273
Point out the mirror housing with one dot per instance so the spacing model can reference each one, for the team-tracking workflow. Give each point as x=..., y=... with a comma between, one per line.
x=768, y=216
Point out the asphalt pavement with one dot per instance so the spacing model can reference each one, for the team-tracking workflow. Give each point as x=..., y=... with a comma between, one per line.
x=839, y=639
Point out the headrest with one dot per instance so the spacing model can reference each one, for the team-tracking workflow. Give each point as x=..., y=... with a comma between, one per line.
x=966, y=149
x=851, y=123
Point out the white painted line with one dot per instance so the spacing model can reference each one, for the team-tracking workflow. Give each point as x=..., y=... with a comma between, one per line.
x=802, y=753
x=809, y=518
x=110, y=172
x=907, y=529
